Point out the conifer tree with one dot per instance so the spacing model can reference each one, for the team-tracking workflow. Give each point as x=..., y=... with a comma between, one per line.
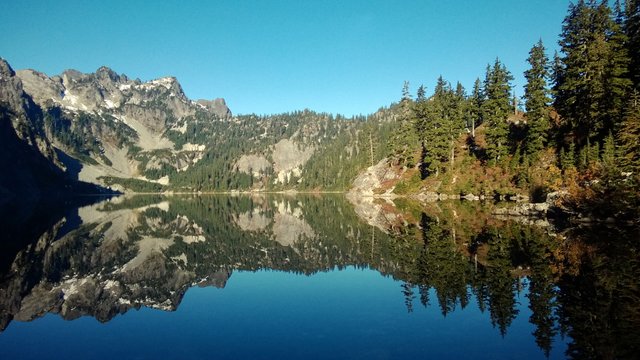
x=435, y=129
x=420, y=110
x=404, y=143
x=439, y=122
x=581, y=90
x=567, y=157
x=609, y=152
x=475, y=106
x=594, y=76
x=557, y=69
x=496, y=109
x=632, y=30
x=421, y=124
x=537, y=100
x=628, y=137
x=617, y=81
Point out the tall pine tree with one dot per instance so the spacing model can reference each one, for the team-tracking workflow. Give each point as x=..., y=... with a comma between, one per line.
x=594, y=78
x=405, y=141
x=628, y=136
x=434, y=128
x=440, y=120
x=581, y=90
x=617, y=82
x=496, y=108
x=632, y=31
x=536, y=100
x=475, y=106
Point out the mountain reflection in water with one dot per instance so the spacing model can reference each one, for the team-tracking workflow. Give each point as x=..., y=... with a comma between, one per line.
x=577, y=289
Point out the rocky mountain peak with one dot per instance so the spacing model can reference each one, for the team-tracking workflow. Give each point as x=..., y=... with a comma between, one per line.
x=169, y=82
x=218, y=106
x=11, y=90
x=71, y=75
x=106, y=73
x=5, y=69
x=40, y=86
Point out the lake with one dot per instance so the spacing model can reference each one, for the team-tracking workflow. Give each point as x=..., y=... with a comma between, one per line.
x=276, y=276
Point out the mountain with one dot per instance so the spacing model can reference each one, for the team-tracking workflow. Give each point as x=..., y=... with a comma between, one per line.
x=107, y=129
x=110, y=123
x=30, y=163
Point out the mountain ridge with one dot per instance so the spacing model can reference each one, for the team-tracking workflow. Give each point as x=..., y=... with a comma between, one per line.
x=131, y=135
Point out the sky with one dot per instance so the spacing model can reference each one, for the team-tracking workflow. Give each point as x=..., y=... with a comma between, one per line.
x=272, y=56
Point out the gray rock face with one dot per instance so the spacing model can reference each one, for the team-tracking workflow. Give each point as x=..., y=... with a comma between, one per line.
x=157, y=103
x=366, y=183
x=288, y=159
x=120, y=110
x=11, y=92
x=253, y=164
x=41, y=87
x=17, y=107
x=217, y=106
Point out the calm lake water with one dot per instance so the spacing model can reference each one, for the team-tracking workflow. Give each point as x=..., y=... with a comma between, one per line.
x=310, y=277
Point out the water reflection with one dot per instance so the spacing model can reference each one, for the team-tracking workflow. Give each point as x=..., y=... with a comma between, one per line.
x=105, y=259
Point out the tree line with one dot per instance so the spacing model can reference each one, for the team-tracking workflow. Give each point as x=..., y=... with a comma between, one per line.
x=582, y=103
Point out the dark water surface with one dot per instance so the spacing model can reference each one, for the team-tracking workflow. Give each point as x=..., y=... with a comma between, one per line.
x=312, y=277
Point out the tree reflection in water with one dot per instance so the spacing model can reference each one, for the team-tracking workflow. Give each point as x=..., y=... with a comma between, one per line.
x=147, y=251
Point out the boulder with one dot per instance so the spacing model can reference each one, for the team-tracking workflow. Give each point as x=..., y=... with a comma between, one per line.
x=524, y=209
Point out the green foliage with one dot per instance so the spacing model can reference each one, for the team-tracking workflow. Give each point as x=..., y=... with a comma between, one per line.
x=475, y=105
x=226, y=140
x=409, y=186
x=496, y=109
x=609, y=153
x=439, y=122
x=405, y=142
x=537, y=100
x=631, y=27
x=594, y=76
x=335, y=165
x=567, y=157
x=133, y=184
x=628, y=138
x=79, y=135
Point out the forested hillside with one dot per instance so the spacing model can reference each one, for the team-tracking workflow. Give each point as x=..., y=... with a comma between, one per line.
x=578, y=129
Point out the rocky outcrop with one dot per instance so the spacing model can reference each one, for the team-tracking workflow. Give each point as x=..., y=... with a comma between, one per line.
x=253, y=164
x=379, y=213
x=24, y=116
x=217, y=106
x=288, y=159
x=44, y=90
x=30, y=164
x=539, y=210
x=371, y=180
x=524, y=209
x=156, y=103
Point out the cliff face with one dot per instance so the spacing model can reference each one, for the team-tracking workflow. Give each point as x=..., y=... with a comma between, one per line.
x=27, y=158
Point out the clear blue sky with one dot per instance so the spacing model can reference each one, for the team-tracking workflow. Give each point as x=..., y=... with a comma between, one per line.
x=269, y=56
